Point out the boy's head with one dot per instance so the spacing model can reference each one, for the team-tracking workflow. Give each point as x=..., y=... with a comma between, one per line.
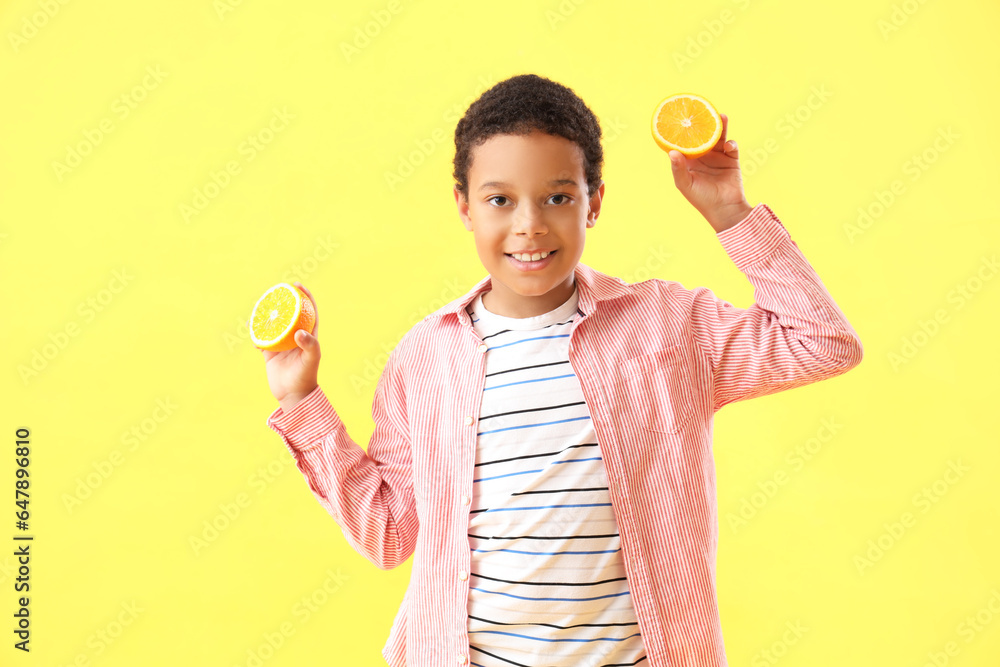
x=528, y=163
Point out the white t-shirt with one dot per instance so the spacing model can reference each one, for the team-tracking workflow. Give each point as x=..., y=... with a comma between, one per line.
x=547, y=586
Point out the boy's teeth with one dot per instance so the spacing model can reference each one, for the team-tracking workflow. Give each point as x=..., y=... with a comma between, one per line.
x=530, y=258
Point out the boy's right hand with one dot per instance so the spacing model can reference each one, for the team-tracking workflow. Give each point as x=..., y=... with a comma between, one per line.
x=292, y=374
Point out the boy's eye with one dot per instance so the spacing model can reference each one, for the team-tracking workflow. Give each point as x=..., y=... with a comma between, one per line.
x=503, y=200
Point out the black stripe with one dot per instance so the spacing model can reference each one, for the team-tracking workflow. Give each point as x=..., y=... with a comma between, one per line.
x=519, y=664
x=547, y=407
x=550, y=583
x=524, y=368
x=548, y=326
x=615, y=664
x=624, y=664
x=531, y=456
x=525, y=493
x=540, y=537
x=560, y=627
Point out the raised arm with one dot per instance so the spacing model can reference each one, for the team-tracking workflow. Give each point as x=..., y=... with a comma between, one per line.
x=794, y=334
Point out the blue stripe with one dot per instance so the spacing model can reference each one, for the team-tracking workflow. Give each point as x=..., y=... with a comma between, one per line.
x=543, y=639
x=511, y=384
x=509, y=474
x=516, y=342
x=596, y=458
x=545, y=507
x=521, y=597
x=548, y=553
x=528, y=472
x=511, y=428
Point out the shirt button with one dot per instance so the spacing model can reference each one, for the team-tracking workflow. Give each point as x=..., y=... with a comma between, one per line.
x=461, y=659
x=463, y=575
x=468, y=421
x=465, y=500
x=483, y=347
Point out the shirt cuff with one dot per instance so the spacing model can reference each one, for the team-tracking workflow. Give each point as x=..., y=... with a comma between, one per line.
x=754, y=237
x=306, y=425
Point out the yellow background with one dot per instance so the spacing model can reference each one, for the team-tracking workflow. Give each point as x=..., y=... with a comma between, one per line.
x=125, y=307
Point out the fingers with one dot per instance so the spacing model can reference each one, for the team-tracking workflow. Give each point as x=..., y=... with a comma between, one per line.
x=678, y=165
x=302, y=287
x=309, y=346
x=728, y=148
x=720, y=145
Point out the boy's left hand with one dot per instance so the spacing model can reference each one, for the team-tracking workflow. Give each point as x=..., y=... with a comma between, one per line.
x=712, y=182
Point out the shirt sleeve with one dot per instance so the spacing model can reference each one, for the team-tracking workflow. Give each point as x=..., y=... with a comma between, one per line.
x=794, y=334
x=369, y=494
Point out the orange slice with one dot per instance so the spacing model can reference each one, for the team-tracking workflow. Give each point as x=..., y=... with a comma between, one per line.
x=686, y=123
x=283, y=310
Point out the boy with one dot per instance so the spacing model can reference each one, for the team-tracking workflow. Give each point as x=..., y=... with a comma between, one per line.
x=542, y=445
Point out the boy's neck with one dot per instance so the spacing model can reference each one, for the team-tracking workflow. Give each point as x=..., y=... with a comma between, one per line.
x=522, y=307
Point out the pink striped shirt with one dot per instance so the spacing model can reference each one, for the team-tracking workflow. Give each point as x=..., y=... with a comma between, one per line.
x=655, y=362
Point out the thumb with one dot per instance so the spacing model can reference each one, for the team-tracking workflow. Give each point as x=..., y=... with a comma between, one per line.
x=308, y=343
x=678, y=165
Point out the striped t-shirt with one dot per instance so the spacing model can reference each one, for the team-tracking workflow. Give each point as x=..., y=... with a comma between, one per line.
x=548, y=585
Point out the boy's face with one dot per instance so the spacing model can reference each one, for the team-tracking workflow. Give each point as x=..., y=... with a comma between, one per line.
x=528, y=193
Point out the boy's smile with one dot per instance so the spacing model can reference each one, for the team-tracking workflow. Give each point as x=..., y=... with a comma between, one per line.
x=528, y=194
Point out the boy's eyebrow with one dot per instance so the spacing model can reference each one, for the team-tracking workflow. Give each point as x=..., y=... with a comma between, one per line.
x=501, y=184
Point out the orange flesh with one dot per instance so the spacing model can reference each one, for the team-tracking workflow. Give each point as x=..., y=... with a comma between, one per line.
x=274, y=314
x=685, y=122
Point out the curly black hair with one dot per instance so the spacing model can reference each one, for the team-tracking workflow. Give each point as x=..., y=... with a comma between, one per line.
x=519, y=105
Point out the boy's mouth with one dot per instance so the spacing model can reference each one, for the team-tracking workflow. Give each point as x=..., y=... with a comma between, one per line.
x=551, y=252
x=535, y=265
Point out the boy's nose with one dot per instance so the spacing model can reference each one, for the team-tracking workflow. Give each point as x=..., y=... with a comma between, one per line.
x=528, y=218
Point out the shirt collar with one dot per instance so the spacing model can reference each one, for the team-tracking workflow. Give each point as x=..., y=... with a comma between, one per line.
x=592, y=286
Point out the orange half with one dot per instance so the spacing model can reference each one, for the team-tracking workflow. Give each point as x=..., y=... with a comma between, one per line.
x=278, y=314
x=686, y=123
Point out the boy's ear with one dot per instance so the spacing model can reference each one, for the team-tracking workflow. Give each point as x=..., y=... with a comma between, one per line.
x=595, y=205
x=463, y=208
